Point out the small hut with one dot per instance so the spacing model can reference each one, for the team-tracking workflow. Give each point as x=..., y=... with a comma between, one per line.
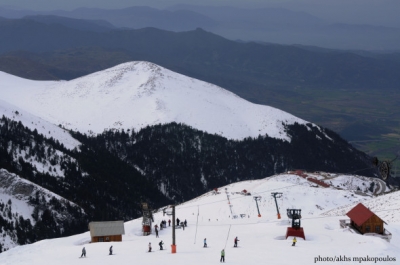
x=365, y=221
x=106, y=231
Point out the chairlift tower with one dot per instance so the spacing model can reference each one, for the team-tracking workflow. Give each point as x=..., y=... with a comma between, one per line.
x=147, y=219
x=277, y=195
x=257, y=198
x=173, y=246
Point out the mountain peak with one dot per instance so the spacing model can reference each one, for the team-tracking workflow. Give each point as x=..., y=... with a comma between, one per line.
x=136, y=94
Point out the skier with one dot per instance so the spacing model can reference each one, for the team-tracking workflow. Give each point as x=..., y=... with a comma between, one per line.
x=185, y=223
x=169, y=222
x=156, y=229
x=205, y=243
x=161, y=245
x=236, y=240
x=294, y=241
x=83, y=252
x=111, y=250
x=222, y=256
x=149, y=246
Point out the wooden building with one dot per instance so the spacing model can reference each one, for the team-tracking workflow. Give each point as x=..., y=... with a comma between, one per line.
x=106, y=231
x=365, y=221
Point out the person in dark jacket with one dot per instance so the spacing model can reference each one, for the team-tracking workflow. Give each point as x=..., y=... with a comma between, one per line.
x=222, y=256
x=205, y=243
x=161, y=245
x=111, y=250
x=235, y=241
x=83, y=252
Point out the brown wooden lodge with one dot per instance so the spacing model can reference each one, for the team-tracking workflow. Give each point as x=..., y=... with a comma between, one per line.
x=364, y=221
x=106, y=231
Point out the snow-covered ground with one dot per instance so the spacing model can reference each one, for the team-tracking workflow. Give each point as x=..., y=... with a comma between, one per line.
x=36, y=123
x=137, y=94
x=262, y=239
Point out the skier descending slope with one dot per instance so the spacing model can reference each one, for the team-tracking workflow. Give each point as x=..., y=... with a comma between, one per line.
x=83, y=252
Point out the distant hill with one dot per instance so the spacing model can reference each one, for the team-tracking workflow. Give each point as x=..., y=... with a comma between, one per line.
x=135, y=17
x=79, y=24
x=210, y=57
x=284, y=26
x=275, y=25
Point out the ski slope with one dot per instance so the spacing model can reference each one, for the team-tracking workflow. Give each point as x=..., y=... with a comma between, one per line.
x=262, y=239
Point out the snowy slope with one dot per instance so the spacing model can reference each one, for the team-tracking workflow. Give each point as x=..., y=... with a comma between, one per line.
x=209, y=216
x=137, y=94
x=16, y=193
x=33, y=122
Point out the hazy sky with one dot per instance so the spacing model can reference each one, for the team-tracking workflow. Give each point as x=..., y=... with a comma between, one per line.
x=378, y=12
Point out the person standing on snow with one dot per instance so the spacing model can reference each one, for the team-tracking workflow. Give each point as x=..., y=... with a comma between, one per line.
x=169, y=222
x=235, y=241
x=222, y=256
x=149, y=246
x=294, y=241
x=111, y=250
x=83, y=252
x=205, y=243
x=156, y=229
x=161, y=245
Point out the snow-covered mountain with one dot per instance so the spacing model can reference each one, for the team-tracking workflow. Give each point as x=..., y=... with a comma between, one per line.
x=33, y=122
x=261, y=239
x=42, y=142
x=138, y=94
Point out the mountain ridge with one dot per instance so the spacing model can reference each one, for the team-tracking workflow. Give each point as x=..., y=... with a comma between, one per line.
x=138, y=94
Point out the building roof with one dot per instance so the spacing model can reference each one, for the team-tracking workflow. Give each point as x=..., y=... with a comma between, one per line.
x=106, y=228
x=360, y=214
